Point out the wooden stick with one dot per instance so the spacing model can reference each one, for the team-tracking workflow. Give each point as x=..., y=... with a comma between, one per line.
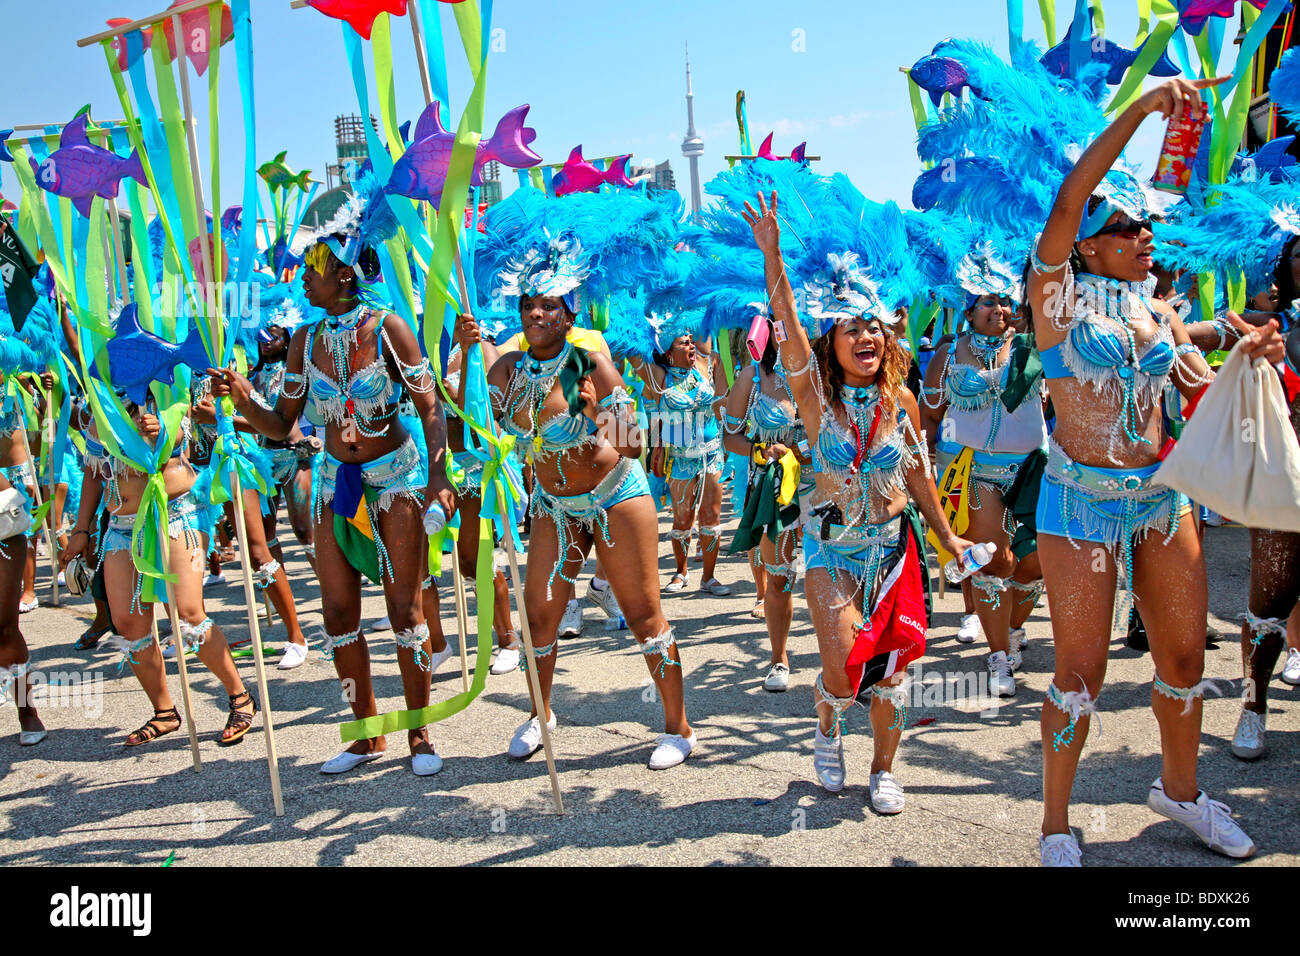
x=534, y=682
x=173, y=12
x=29, y=127
x=414, y=15
x=40, y=501
x=196, y=174
x=179, y=644
x=52, y=529
x=462, y=620
x=255, y=632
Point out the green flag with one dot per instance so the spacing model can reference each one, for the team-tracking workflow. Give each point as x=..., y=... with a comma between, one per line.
x=17, y=269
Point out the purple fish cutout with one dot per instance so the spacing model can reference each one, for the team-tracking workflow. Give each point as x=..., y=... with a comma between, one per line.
x=279, y=258
x=4, y=151
x=580, y=176
x=422, y=170
x=938, y=75
x=1100, y=50
x=79, y=171
x=796, y=154
x=1193, y=14
x=137, y=357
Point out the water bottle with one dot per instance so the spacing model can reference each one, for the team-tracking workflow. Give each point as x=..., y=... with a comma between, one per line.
x=616, y=623
x=435, y=519
x=969, y=561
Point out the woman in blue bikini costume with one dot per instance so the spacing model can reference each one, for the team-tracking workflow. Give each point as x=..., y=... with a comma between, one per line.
x=350, y=371
x=869, y=457
x=1107, y=352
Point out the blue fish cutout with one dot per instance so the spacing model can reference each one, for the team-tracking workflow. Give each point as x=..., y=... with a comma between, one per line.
x=1100, y=50
x=279, y=257
x=938, y=75
x=136, y=357
x=1275, y=156
x=4, y=151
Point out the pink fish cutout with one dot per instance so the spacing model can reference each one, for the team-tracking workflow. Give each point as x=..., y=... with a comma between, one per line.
x=196, y=258
x=359, y=14
x=1195, y=13
x=196, y=29
x=124, y=45
x=765, y=150
x=422, y=170
x=580, y=176
x=80, y=171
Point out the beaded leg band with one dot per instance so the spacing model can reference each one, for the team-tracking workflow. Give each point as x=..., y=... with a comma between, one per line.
x=546, y=651
x=659, y=645
x=992, y=588
x=839, y=724
x=335, y=641
x=1077, y=704
x=896, y=695
x=192, y=635
x=1262, y=627
x=1032, y=591
x=273, y=542
x=414, y=639
x=264, y=576
x=1186, y=694
x=683, y=536
x=713, y=533
x=129, y=649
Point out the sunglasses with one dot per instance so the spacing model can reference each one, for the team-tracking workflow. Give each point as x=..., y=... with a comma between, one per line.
x=1127, y=228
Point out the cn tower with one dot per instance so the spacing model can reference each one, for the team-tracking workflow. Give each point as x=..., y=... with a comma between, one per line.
x=692, y=145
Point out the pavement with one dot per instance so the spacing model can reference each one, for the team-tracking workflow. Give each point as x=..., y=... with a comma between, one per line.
x=971, y=769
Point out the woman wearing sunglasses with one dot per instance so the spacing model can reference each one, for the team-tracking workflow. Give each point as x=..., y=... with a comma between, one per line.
x=1107, y=352
x=973, y=405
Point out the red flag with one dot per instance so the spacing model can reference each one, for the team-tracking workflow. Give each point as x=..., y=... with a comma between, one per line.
x=895, y=634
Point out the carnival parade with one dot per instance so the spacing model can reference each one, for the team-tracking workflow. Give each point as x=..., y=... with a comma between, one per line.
x=487, y=494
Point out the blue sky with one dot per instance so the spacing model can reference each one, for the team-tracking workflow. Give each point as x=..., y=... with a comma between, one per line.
x=608, y=76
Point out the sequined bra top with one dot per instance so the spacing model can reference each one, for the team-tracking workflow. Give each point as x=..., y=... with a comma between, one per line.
x=685, y=407
x=773, y=420
x=367, y=396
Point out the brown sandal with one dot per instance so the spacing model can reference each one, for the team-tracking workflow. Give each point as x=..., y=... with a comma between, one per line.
x=239, y=721
x=153, y=728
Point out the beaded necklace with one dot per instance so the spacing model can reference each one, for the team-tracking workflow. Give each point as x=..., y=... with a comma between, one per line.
x=530, y=390
x=986, y=349
x=340, y=333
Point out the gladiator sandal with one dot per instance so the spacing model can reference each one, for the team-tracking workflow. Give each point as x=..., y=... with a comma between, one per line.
x=239, y=722
x=153, y=727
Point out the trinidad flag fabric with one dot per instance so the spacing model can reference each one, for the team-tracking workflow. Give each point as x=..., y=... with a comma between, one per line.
x=894, y=636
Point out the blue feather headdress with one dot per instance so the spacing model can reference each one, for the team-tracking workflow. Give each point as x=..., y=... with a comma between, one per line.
x=35, y=347
x=364, y=221
x=1284, y=86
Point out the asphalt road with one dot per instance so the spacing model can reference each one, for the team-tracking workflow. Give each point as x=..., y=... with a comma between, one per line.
x=747, y=796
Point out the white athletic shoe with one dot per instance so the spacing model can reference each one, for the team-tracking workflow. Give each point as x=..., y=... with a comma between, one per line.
x=383, y=624
x=528, y=738
x=425, y=765
x=169, y=652
x=886, y=794
x=672, y=749
x=346, y=761
x=604, y=599
x=828, y=760
x=1248, y=741
x=969, y=629
x=294, y=655
x=571, y=622
x=1001, y=682
x=213, y=579
x=1291, y=671
x=778, y=679
x=1018, y=644
x=437, y=659
x=507, y=660
x=1208, y=819
x=1059, y=849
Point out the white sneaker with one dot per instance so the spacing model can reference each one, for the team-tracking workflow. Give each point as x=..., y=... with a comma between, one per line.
x=438, y=658
x=214, y=579
x=383, y=624
x=778, y=679
x=346, y=761
x=571, y=622
x=1001, y=683
x=528, y=738
x=1248, y=741
x=507, y=660
x=1059, y=849
x=828, y=760
x=672, y=749
x=63, y=581
x=886, y=794
x=293, y=656
x=1208, y=819
x=604, y=599
x=1018, y=644
x=1291, y=671
x=425, y=765
x=169, y=652
x=969, y=630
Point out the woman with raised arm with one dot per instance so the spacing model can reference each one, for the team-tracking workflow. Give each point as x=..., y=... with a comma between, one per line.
x=862, y=545
x=1107, y=351
x=350, y=370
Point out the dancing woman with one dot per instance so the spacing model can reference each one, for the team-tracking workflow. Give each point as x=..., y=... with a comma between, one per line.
x=761, y=420
x=1108, y=352
x=849, y=386
x=962, y=408
x=350, y=371
x=683, y=385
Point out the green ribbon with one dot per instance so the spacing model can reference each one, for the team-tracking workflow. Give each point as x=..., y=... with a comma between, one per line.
x=1025, y=369
x=1166, y=15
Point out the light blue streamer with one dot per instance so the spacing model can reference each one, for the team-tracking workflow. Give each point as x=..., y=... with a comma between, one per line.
x=435, y=54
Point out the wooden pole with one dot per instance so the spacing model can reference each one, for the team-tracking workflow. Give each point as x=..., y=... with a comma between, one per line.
x=462, y=619
x=40, y=501
x=534, y=681
x=173, y=12
x=179, y=643
x=413, y=14
x=255, y=632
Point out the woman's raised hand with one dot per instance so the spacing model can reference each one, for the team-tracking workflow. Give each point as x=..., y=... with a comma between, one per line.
x=1179, y=96
x=767, y=231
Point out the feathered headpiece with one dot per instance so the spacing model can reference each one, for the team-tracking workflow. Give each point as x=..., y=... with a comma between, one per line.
x=36, y=346
x=363, y=221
